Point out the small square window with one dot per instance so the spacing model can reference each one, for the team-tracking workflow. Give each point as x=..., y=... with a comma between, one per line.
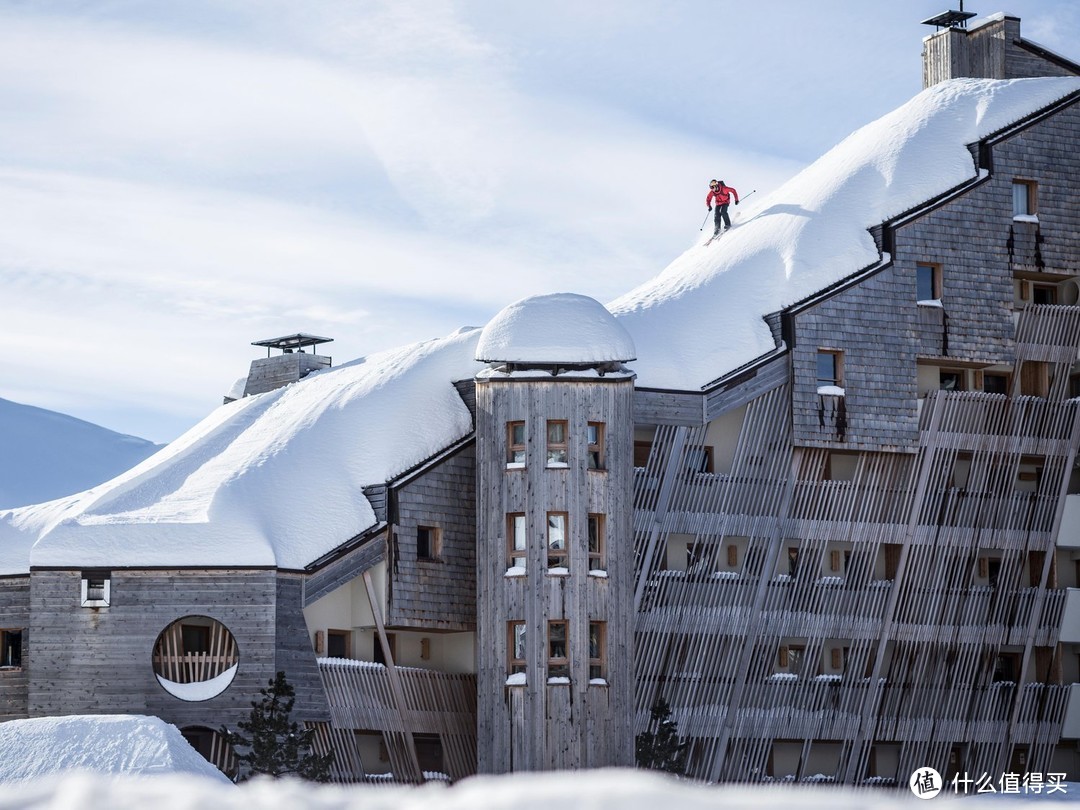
x=337, y=643
x=516, y=647
x=1024, y=197
x=556, y=443
x=597, y=658
x=516, y=548
x=927, y=282
x=699, y=459
x=428, y=543
x=830, y=368
x=558, y=552
x=558, y=661
x=952, y=380
x=11, y=648
x=95, y=589
x=790, y=659
x=596, y=445
x=596, y=542
x=995, y=383
x=515, y=443
x=1043, y=294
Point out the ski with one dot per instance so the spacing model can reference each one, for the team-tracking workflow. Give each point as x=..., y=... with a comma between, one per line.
x=717, y=235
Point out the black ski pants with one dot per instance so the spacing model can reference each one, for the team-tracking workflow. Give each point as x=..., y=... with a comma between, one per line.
x=720, y=213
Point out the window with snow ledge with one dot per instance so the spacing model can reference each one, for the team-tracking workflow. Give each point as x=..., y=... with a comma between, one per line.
x=558, y=552
x=195, y=658
x=515, y=445
x=515, y=649
x=517, y=679
x=928, y=282
x=1025, y=199
x=830, y=369
x=515, y=571
x=557, y=453
x=558, y=664
x=95, y=588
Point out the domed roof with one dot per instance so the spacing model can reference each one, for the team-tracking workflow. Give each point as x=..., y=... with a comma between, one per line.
x=561, y=328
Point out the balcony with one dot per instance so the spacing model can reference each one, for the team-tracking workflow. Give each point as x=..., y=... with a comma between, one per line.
x=362, y=698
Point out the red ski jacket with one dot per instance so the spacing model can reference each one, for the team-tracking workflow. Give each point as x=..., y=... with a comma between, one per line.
x=722, y=195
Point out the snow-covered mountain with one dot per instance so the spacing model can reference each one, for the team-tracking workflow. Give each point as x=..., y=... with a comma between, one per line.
x=46, y=455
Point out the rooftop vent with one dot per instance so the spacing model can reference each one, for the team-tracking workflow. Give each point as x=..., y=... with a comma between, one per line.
x=950, y=19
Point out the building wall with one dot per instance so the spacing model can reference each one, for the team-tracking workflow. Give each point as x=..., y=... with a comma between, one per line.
x=540, y=725
x=980, y=249
x=98, y=660
x=15, y=615
x=437, y=593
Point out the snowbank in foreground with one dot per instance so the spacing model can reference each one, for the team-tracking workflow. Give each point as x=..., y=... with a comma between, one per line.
x=104, y=744
x=594, y=790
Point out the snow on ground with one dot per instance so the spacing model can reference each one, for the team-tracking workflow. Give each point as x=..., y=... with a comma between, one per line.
x=580, y=790
x=48, y=455
x=702, y=316
x=104, y=744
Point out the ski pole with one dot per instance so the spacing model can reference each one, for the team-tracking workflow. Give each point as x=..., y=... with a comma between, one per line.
x=705, y=220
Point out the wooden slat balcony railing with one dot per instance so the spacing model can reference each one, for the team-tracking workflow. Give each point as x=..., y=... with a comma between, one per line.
x=442, y=703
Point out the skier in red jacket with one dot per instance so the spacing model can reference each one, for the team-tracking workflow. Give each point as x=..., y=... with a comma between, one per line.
x=722, y=195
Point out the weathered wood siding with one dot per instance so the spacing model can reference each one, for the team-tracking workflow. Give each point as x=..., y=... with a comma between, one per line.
x=539, y=725
x=881, y=330
x=15, y=615
x=269, y=373
x=98, y=660
x=294, y=654
x=748, y=386
x=991, y=51
x=438, y=593
x=344, y=569
x=654, y=407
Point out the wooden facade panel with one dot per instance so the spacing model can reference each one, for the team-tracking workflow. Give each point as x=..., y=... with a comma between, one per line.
x=15, y=615
x=345, y=569
x=294, y=654
x=668, y=407
x=440, y=592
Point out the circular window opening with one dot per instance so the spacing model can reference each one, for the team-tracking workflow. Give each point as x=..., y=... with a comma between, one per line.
x=195, y=658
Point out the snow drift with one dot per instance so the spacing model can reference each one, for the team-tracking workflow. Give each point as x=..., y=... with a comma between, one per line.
x=105, y=744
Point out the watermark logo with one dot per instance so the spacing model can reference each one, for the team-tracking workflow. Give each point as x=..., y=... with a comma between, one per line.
x=925, y=783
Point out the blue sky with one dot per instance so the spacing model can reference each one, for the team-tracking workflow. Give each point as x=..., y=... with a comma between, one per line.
x=180, y=179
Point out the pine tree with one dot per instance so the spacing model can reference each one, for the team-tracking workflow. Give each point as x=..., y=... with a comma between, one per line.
x=659, y=748
x=276, y=745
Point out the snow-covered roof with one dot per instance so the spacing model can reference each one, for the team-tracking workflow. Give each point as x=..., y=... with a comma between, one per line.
x=702, y=316
x=276, y=479
x=268, y=480
x=106, y=744
x=553, y=329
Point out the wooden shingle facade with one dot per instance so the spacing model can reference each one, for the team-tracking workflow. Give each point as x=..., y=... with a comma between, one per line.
x=855, y=556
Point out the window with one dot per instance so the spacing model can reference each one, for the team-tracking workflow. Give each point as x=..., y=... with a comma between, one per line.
x=516, y=646
x=792, y=560
x=11, y=648
x=1007, y=668
x=558, y=662
x=1043, y=294
x=95, y=588
x=994, y=383
x=1024, y=198
x=515, y=443
x=596, y=542
x=595, y=432
x=558, y=553
x=642, y=449
x=516, y=551
x=556, y=443
x=337, y=643
x=927, y=282
x=990, y=570
x=951, y=379
x=378, y=656
x=597, y=668
x=195, y=650
x=829, y=368
x=791, y=657
x=428, y=543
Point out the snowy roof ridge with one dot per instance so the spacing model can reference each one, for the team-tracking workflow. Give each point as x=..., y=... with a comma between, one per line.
x=702, y=316
x=281, y=475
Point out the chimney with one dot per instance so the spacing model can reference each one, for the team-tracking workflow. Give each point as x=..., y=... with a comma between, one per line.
x=293, y=364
